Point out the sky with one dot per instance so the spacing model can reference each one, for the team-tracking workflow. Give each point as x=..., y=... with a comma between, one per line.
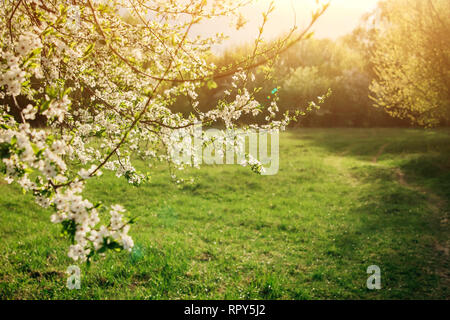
x=341, y=18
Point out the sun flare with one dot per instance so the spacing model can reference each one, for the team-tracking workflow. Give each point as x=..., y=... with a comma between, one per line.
x=341, y=17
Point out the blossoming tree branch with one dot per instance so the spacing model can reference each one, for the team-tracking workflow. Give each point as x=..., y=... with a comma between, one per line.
x=104, y=86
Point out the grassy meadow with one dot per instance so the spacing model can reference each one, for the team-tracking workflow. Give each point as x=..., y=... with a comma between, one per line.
x=344, y=199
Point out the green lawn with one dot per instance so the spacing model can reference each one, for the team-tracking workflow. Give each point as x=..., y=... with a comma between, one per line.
x=344, y=199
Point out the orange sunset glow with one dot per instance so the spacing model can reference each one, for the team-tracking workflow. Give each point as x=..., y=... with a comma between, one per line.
x=341, y=18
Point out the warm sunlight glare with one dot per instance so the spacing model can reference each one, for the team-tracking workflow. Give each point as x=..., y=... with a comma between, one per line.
x=342, y=17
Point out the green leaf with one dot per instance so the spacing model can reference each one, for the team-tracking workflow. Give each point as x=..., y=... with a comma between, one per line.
x=211, y=84
x=88, y=50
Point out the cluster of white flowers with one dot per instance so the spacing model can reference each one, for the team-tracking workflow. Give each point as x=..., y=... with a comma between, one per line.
x=273, y=109
x=30, y=151
x=27, y=43
x=87, y=173
x=57, y=109
x=13, y=77
x=29, y=112
x=254, y=164
x=125, y=168
x=120, y=228
x=88, y=236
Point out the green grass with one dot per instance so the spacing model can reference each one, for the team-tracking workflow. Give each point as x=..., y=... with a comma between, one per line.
x=309, y=232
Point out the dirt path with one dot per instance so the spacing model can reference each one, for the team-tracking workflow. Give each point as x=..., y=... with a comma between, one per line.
x=436, y=202
x=438, y=207
x=380, y=152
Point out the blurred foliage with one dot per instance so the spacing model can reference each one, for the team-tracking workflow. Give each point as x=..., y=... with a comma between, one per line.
x=412, y=60
x=304, y=73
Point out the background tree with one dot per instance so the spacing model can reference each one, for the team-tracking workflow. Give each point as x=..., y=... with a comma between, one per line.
x=412, y=60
